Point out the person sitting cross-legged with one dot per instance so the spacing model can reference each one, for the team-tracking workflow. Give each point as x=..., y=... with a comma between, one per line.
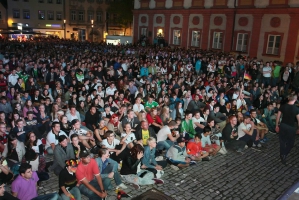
x=109, y=169
x=247, y=133
x=206, y=143
x=131, y=172
x=177, y=155
x=149, y=160
x=195, y=150
x=89, y=178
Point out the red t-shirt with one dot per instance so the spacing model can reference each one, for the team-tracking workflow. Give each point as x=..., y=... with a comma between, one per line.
x=87, y=171
x=151, y=120
x=193, y=148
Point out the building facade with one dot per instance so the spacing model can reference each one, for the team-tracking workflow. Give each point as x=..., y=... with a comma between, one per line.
x=3, y=19
x=42, y=16
x=266, y=29
x=87, y=20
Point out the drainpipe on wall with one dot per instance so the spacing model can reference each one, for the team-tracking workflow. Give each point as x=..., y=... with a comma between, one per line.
x=233, y=32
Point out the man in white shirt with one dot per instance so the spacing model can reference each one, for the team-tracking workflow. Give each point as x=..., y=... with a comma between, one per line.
x=52, y=137
x=241, y=102
x=247, y=134
x=85, y=137
x=110, y=90
x=13, y=78
x=267, y=74
x=198, y=122
x=166, y=133
x=137, y=107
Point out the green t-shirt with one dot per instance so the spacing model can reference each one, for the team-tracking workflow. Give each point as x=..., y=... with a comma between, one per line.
x=276, y=71
x=151, y=105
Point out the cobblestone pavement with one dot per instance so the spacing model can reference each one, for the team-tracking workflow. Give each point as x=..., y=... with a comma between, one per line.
x=254, y=175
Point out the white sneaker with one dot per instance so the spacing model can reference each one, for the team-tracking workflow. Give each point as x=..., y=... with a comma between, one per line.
x=222, y=151
x=122, y=186
x=175, y=168
x=159, y=158
x=246, y=147
x=259, y=145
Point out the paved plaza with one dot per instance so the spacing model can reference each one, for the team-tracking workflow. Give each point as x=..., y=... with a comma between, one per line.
x=254, y=175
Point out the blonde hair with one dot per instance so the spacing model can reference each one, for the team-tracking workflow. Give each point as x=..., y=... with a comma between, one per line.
x=151, y=139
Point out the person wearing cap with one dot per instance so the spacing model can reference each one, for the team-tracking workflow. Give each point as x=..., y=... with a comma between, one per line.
x=24, y=186
x=165, y=137
x=3, y=194
x=52, y=137
x=68, y=182
x=177, y=154
x=89, y=178
x=150, y=103
x=63, y=151
x=85, y=137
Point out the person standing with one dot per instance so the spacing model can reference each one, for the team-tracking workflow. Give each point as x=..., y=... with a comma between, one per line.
x=286, y=129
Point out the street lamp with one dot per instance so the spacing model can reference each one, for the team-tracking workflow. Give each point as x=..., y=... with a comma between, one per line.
x=64, y=21
x=91, y=30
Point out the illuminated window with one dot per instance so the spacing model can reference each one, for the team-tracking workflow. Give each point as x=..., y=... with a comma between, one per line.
x=217, y=40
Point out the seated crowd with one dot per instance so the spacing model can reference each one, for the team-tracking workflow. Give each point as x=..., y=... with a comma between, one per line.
x=122, y=114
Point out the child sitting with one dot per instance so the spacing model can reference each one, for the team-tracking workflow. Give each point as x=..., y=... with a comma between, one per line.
x=206, y=142
x=195, y=150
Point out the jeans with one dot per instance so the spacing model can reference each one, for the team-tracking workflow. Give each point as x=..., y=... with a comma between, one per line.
x=52, y=196
x=74, y=191
x=274, y=81
x=164, y=145
x=88, y=193
x=268, y=121
x=162, y=163
x=266, y=81
x=249, y=139
x=116, y=177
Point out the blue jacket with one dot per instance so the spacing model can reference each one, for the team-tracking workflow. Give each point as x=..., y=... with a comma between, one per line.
x=149, y=157
x=102, y=165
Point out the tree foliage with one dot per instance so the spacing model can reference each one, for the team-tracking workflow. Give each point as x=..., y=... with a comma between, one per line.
x=124, y=12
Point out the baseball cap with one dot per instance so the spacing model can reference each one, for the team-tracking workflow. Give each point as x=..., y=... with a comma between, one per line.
x=180, y=139
x=83, y=154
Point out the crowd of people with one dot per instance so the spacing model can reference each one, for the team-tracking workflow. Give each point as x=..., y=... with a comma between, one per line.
x=124, y=113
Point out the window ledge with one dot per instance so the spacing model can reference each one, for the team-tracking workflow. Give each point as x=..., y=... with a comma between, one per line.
x=271, y=55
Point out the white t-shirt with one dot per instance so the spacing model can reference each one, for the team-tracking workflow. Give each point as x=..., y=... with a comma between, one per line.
x=110, y=91
x=240, y=103
x=36, y=148
x=267, y=69
x=194, y=120
x=112, y=145
x=242, y=127
x=51, y=138
x=130, y=138
x=205, y=140
x=162, y=134
x=138, y=109
x=78, y=132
